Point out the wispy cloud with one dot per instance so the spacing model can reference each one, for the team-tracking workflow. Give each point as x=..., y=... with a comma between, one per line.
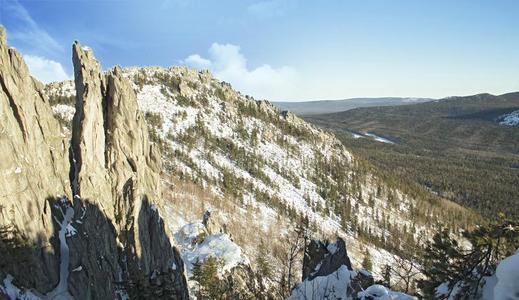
x=35, y=42
x=26, y=33
x=271, y=8
x=45, y=70
x=228, y=63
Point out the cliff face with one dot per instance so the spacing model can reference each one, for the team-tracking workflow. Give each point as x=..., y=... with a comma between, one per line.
x=118, y=170
x=109, y=238
x=34, y=166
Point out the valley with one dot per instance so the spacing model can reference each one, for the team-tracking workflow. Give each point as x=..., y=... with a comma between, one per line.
x=462, y=148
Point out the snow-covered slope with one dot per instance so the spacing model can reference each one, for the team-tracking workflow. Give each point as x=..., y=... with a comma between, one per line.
x=510, y=119
x=249, y=153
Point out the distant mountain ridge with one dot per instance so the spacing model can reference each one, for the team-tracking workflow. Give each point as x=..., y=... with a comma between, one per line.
x=332, y=106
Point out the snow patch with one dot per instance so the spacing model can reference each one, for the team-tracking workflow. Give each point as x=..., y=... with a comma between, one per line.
x=333, y=286
x=66, y=112
x=379, y=138
x=197, y=246
x=380, y=292
x=14, y=292
x=507, y=273
x=219, y=246
x=121, y=295
x=510, y=119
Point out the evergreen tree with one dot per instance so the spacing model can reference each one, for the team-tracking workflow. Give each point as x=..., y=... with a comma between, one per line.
x=386, y=276
x=206, y=274
x=367, y=264
x=262, y=261
x=447, y=262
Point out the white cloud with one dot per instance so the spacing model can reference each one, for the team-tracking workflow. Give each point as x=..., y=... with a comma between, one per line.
x=228, y=63
x=45, y=70
x=271, y=8
x=196, y=61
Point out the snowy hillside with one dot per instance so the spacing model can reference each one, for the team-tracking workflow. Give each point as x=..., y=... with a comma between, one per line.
x=251, y=154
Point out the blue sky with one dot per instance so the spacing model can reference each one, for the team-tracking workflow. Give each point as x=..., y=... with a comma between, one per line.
x=286, y=49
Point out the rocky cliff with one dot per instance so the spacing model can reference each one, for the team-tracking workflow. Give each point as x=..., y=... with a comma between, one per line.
x=322, y=259
x=31, y=141
x=84, y=225
x=327, y=274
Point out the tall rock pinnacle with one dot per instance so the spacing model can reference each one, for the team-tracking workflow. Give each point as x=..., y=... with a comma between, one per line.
x=110, y=240
x=88, y=133
x=118, y=169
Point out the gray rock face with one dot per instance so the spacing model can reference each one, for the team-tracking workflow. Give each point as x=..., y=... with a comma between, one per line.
x=34, y=165
x=116, y=241
x=322, y=258
x=117, y=170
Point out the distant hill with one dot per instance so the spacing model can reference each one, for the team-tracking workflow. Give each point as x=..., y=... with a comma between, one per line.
x=463, y=148
x=332, y=106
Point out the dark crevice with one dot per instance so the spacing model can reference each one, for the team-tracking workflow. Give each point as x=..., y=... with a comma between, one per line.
x=132, y=164
x=14, y=108
x=75, y=159
x=105, y=103
x=39, y=124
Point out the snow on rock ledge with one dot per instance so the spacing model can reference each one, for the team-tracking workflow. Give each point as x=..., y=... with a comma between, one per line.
x=334, y=286
x=197, y=246
x=12, y=292
x=66, y=112
x=380, y=292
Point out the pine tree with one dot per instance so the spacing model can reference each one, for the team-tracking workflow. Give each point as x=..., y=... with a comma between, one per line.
x=206, y=274
x=448, y=262
x=263, y=264
x=367, y=264
x=386, y=275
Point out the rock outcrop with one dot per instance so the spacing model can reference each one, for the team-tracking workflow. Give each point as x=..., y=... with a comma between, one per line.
x=322, y=258
x=327, y=274
x=117, y=170
x=108, y=240
x=34, y=166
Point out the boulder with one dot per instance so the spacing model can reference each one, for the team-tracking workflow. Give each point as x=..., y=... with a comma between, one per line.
x=322, y=258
